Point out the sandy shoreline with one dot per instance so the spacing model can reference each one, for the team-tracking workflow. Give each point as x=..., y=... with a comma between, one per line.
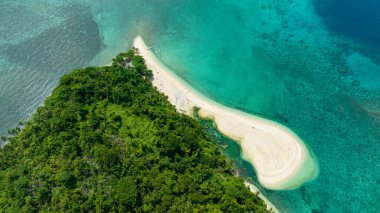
x=254, y=189
x=279, y=156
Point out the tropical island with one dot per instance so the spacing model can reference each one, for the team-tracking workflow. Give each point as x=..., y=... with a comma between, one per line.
x=108, y=140
x=281, y=159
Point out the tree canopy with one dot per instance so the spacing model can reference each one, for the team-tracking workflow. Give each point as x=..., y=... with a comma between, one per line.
x=107, y=141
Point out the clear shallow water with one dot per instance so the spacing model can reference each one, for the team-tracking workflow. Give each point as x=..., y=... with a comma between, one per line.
x=277, y=59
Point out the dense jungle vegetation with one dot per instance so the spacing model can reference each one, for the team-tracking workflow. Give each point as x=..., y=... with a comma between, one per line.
x=107, y=141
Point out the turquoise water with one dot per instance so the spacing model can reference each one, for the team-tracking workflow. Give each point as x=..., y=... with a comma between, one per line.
x=280, y=59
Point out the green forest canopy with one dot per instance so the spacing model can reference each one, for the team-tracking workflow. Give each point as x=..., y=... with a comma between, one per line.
x=107, y=140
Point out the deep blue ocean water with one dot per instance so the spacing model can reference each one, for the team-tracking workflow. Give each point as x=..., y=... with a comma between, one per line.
x=311, y=65
x=359, y=20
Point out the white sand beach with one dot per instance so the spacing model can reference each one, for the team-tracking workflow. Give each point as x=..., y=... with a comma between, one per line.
x=254, y=189
x=280, y=158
